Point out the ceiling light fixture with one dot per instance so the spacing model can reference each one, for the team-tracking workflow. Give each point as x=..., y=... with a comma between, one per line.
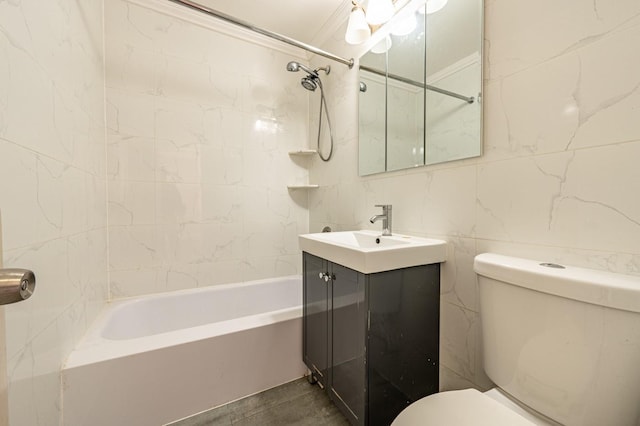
x=358, y=30
x=380, y=11
x=362, y=23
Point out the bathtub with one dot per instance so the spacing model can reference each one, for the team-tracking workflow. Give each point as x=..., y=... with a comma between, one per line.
x=155, y=359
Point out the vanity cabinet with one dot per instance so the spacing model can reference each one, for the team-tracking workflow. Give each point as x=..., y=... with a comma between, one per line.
x=371, y=340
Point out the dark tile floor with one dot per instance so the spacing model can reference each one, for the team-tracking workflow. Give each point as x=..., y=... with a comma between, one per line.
x=294, y=403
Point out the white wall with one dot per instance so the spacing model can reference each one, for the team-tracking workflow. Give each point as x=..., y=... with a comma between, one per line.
x=559, y=176
x=200, y=118
x=52, y=190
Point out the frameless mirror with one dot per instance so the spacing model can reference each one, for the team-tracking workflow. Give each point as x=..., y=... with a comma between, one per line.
x=420, y=91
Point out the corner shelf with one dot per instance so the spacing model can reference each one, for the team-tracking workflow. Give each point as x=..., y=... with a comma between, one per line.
x=303, y=152
x=303, y=186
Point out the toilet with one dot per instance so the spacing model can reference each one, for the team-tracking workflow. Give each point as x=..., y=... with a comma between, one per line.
x=562, y=345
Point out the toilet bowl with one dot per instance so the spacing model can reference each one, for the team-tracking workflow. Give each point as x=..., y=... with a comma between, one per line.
x=469, y=407
x=561, y=344
x=466, y=407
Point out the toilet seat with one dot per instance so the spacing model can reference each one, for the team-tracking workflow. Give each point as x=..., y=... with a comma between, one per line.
x=461, y=408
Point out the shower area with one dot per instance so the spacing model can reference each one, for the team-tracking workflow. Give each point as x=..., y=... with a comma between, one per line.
x=144, y=148
x=200, y=118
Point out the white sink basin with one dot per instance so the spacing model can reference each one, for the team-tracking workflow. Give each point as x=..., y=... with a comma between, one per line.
x=368, y=252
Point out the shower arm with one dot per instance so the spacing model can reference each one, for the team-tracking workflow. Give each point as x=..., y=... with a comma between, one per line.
x=228, y=18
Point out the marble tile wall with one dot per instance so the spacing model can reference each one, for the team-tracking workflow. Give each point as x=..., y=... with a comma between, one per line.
x=52, y=191
x=200, y=122
x=559, y=176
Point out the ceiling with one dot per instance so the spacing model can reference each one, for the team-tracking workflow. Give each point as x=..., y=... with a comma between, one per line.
x=308, y=21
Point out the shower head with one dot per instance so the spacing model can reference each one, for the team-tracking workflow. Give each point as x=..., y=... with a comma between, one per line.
x=312, y=80
x=309, y=83
x=297, y=66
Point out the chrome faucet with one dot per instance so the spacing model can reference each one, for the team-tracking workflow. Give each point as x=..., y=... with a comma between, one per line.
x=385, y=217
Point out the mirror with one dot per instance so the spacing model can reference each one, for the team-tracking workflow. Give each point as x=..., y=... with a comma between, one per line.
x=419, y=101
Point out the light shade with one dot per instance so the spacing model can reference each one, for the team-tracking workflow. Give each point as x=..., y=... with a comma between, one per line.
x=358, y=30
x=382, y=46
x=379, y=11
x=404, y=27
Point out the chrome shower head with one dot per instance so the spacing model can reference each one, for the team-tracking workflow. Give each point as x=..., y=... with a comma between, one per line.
x=312, y=80
x=309, y=83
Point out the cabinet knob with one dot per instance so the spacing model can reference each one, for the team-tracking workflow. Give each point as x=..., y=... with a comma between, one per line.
x=326, y=277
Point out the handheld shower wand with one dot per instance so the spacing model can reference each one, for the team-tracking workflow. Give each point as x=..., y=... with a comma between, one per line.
x=311, y=82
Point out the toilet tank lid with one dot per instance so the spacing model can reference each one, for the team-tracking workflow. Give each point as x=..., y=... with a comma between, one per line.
x=587, y=285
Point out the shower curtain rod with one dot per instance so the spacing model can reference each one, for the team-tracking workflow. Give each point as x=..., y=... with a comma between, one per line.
x=467, y=99
x=211, y=12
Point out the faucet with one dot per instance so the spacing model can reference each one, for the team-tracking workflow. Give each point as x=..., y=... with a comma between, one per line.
x=385, y=217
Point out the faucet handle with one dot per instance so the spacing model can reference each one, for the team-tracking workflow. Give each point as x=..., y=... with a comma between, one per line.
x=386, y=218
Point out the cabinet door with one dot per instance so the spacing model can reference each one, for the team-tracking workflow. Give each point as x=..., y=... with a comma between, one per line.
x=348, y=330
x=403, y=339
x=315, y=317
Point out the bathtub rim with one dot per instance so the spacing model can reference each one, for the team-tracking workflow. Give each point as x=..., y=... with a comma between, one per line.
x=93, y=347
x=106, y=326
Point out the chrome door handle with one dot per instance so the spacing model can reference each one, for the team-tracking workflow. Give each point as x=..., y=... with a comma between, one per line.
x=16, y=285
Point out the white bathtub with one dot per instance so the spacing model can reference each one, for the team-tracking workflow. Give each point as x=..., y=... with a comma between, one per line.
x=156, y=359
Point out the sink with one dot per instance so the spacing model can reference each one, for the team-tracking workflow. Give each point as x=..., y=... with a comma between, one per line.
x=360, y=239
x=369, y=252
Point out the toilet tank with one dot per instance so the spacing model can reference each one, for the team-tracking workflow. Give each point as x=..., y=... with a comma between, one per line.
x=564, y=341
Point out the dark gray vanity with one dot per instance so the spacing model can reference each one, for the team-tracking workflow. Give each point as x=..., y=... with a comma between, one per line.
x=371, y=339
